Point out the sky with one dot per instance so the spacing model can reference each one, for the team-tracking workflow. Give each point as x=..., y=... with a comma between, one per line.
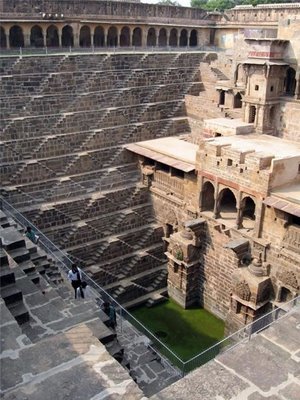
x=185, y=3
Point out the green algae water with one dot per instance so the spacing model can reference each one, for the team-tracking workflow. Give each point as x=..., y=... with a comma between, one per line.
x=186, y=332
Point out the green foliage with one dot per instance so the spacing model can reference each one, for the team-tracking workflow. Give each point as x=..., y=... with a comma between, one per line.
x=179, y=255
x=222, y=5
x=169, y=3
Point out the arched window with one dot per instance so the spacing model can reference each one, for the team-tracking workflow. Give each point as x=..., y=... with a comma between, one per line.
x=112, y=37
x=137, y=37
x=125, y=37
x=227, y=204
x=194, y=38
x=237, y=101
x=99, y=37
x=151, y=37
x=162, y=37
x=16, y=37
x=3, y=43
x=290, y=82
x=208, y=197
x=36, y=36
x=67, y=38
x=183, y=38
x=173, y=41
x=85, y=37
x=248, y=213
x=52, y=36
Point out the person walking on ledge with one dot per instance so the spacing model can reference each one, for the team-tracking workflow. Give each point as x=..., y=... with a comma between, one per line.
x=75, y=277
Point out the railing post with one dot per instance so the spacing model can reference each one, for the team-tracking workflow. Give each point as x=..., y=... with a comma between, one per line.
x=121, y=319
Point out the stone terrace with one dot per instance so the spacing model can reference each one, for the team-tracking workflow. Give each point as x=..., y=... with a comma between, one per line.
x=48, y=338
x=65, y=120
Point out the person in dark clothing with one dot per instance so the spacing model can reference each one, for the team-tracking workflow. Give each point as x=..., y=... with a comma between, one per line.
x=75, y=277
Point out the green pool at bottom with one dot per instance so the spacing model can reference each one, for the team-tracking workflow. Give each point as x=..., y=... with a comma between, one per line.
x=185, y=332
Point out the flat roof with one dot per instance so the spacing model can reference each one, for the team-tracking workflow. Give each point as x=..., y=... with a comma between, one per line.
x=172, y=151
x=266, y=144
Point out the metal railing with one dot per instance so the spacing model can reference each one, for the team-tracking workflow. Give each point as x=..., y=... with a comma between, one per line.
x=169, y=357
x=63, y=261
x=241, y=336
x=31, y=51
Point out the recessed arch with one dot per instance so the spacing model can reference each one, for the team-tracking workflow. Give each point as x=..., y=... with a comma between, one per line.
x=52, y=39
x=16, y=37
x=137, y=37
x=248, y=212
x=173, y=41
x=162, y=37
x=85, y=36
x=67, y=38
x=183, y=41
x=151, y=37
x=99, y=37
x=227, y=204
x=112, y=37
x=3, y=43
x=125, y=37
x=194, y=38
x=290, y=81
x=237, y=100
x=36, y=36
x=208, y=197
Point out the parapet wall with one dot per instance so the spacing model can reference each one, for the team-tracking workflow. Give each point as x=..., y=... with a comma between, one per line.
x=78, y=9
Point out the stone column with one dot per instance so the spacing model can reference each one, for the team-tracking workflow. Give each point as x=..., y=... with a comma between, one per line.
x=44, y=37
x=59, y=37
x=239, y=211
x=200, y=193
x=76, y=38
x=297, y=89
x=216, y=212
x=144, y=38
x=259, y=210
x=188, y=38
x=7, y=38
x=26, y=38
x=168, y=37
x=92, y=37
x=105, y=36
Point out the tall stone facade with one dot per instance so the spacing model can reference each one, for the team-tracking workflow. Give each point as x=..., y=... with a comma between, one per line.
x=224, y=196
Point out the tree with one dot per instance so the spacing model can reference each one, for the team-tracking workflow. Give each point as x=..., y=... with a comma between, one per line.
x=169, y=3
x=222, y=5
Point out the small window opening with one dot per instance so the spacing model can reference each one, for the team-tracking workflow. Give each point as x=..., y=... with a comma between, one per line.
x=256, y=87
x=229, y=162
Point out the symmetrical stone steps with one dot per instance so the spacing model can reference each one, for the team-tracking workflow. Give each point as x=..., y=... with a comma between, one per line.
x=136, y=97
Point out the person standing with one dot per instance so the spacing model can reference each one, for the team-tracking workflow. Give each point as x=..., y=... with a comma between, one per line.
x=75, y=277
